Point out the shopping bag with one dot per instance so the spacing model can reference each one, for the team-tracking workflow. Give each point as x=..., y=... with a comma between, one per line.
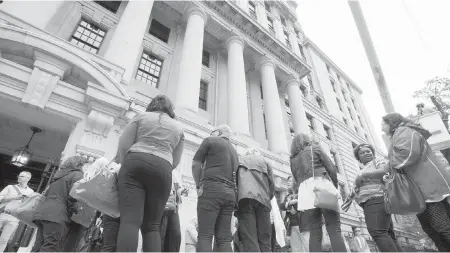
x=26, y=210
x=280, y=229
x=100, y=193
x=401, y=195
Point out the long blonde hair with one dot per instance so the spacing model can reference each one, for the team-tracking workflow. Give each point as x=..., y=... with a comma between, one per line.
x=299, y=142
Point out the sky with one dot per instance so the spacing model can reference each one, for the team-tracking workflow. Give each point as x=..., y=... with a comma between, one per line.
x=411, y=38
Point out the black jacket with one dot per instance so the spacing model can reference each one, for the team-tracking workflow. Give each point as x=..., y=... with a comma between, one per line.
x=57, y=205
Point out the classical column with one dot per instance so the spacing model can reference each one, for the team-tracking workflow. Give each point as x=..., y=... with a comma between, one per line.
x=191, y=61
x=272, y=108
x=298, y=115
x=125, y=45
x=237, y=87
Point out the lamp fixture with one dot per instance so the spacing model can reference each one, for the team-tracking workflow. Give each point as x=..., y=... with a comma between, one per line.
x=22, y=156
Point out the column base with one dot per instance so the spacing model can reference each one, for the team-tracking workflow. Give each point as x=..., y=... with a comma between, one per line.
x=191, y=115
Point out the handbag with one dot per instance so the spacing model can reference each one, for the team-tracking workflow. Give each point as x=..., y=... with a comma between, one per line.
x=26, y=210
x=99, y=192
x=317, y=193
x=401, y=195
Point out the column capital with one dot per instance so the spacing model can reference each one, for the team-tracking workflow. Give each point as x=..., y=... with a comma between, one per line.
x=266, y=61
x=235, y=39
x=197, y=11
x=292, y=81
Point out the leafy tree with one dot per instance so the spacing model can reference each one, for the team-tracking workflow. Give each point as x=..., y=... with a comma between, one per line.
x=438, y=91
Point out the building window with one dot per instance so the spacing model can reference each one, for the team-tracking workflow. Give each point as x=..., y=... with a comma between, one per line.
x=354, y=145
x=345, y=121
x=291, y=130
x=339, y=79
x=270, y=24
x=310, y=122
x=203, y=97
x=328, y=69
x=356, y=129
x=310, y=80
x=88, y=36
x=327, y=132
x=367, y=138
x=111, y=6
x=160, y=31
x=267, y=7
x=354, y=104
x=319, y=102
x=205, y=58
x=297, y=33
x=344, y=95
x=303, y=90
x=287, y=106
x=360, y=121
x=350, y=113
x=333, y=85
x=286, y=38
x=283, y=21
x=149, y=69
x=252, y=9
x=302, y=53
x=339, y=104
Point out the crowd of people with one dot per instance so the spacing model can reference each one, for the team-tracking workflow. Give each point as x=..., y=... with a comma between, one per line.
x=230, y=185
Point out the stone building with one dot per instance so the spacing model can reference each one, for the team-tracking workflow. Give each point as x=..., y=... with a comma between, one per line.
x=80, y=70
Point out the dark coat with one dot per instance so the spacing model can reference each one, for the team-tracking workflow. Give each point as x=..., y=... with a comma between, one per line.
x=411, y=152
x=302, y=165
x=57, y=205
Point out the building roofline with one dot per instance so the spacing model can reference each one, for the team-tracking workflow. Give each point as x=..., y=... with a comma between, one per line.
x=331, y=62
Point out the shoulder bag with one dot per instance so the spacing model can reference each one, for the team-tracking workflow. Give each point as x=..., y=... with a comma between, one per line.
x=317, y=192
x=401, y=195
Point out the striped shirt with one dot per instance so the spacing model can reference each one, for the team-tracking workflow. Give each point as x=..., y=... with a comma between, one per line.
x=370, y=188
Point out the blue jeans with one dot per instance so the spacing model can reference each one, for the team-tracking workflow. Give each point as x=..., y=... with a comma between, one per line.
x=214, y=219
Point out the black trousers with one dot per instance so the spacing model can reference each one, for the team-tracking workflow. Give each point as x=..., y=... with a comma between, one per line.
x=110, y=231
x=49, y=236
x=254, y=226
x=380, y=225
x=333, y=225
x=144, y=185
x=74, y=238
x=170, y=232
x=435, y=222
x=214, y=220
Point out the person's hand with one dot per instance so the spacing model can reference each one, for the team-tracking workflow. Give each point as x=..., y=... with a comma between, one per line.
x=19, y=197
x=293, y=202
x=358, y=181
x=185, y=192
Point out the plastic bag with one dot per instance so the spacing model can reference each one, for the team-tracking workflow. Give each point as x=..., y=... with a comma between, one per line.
x=99, y=190
x=26, y=210
x=280, y=229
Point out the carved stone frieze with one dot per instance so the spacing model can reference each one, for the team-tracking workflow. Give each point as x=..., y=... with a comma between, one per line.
x=88, y=153
x=99, y=123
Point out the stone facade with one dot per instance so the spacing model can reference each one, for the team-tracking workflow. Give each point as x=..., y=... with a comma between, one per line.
x=262, y=75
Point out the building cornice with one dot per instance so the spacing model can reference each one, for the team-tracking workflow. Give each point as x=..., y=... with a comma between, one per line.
x=261, y=36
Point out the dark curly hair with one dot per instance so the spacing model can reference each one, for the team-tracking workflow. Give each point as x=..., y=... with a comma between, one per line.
x=161, y=103
x=360, y=146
